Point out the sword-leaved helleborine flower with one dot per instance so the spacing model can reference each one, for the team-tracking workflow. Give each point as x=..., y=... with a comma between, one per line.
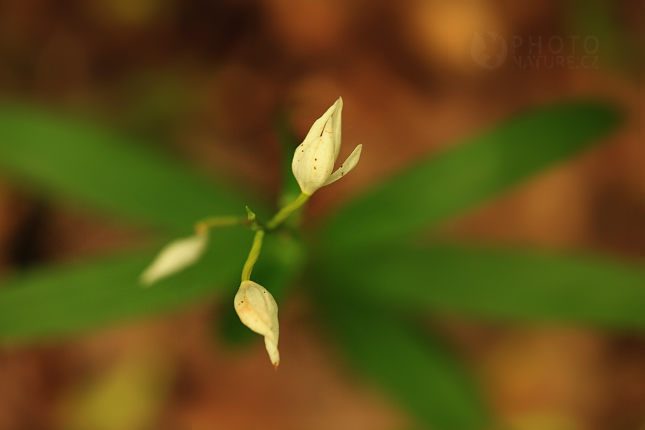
x=258, y=310
x=313, y=161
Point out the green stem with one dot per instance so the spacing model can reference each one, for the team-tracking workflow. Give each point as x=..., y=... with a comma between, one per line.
x=214, y=222
x=253, y=255
x=277, y=219
x=284, y=213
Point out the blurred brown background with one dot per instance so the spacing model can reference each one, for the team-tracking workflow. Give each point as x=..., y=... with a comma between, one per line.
x=203, y=78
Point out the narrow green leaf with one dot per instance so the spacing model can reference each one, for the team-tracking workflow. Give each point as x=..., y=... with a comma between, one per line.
x=60, y=300
x=417, y=371
x=494, y=283
x=465, y=176
x=73, y=159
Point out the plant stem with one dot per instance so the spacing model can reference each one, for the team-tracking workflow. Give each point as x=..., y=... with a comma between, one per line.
x=214, y=222
x=277, y=219
x=284, y=213
x=253, y=255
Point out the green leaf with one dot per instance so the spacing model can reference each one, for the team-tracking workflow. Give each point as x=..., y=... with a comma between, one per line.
x=495, y=283
x=60, y=300
x=417, y=371
x=73, y=159
x=465, y=176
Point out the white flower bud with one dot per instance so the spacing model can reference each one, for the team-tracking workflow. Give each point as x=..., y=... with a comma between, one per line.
x=175, y=256
x=313, y=161
x=258, y=310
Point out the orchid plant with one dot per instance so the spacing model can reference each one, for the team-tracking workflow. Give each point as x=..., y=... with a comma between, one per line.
x=371, y=272
x=313, y=164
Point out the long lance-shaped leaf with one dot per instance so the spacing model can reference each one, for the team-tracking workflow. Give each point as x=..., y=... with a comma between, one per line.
x=55, y=301
x=73, y=159
x=465, y=176
x=496, y=283
x=419, y=372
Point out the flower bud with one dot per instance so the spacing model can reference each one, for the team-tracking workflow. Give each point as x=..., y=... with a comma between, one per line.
x=258, y=310
x=174, y=257
x=313, y=161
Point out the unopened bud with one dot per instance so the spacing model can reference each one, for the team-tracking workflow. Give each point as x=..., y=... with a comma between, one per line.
x=174, y=257
x=258, y=310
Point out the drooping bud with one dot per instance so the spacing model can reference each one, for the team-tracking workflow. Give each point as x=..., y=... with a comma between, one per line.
x=258, y=310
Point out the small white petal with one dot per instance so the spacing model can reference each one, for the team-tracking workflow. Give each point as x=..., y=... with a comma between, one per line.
x=347, y=166
x=174, y=257
x=317, y=129
x=272, y=349
x=336, y=126
x=258, y=310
